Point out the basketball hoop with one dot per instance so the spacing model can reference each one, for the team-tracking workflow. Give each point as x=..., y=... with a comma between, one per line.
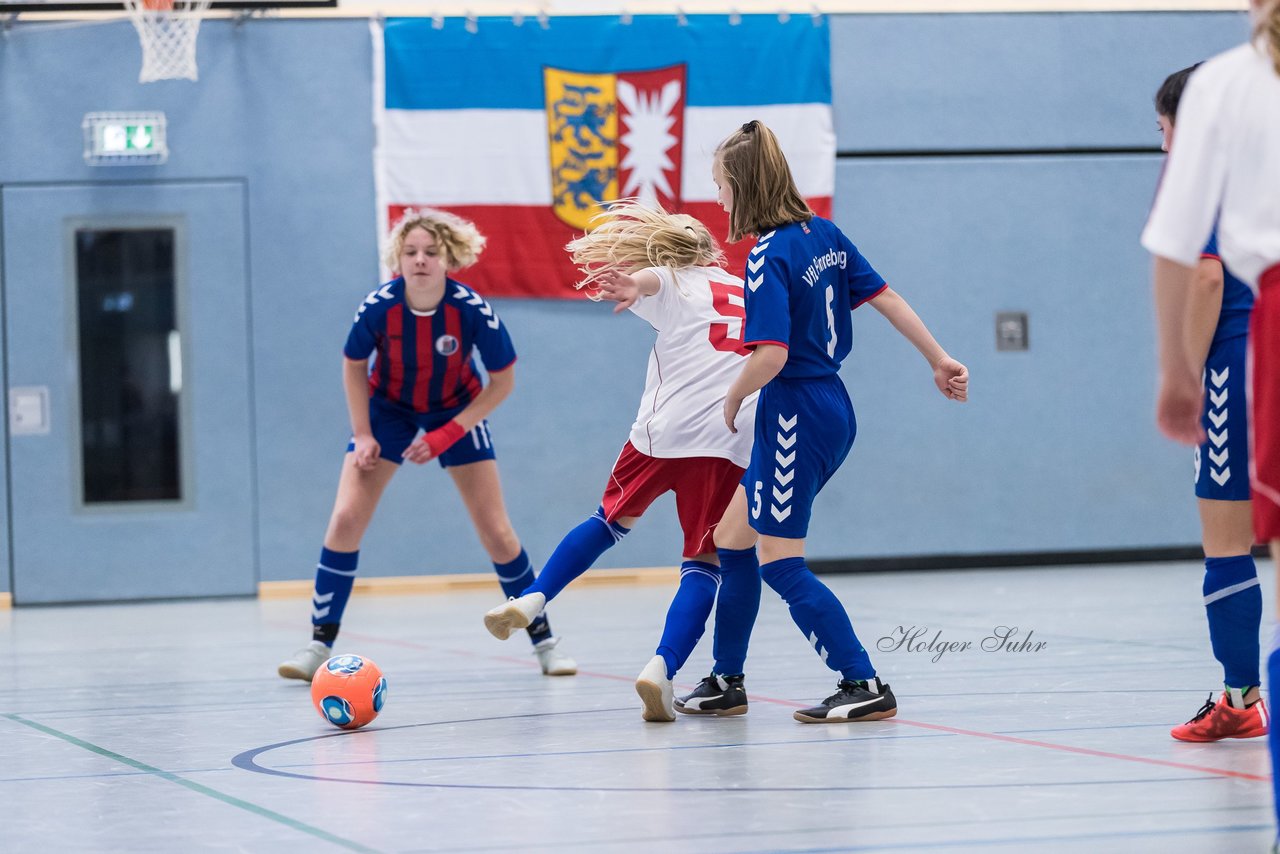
x=167, y=30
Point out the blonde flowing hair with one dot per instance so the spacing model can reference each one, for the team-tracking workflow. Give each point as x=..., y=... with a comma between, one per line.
x=461, y=241
x=630, y=236
x=1267, y=27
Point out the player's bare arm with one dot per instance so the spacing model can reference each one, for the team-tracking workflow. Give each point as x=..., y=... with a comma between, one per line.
x=625, y=289
x=1204, y=308
x=764, y=363
x=1181, y=395
x=949, y=375
x=355, y=385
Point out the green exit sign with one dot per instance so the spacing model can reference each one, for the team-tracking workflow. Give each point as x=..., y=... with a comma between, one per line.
x=124, y=139
x=119, y=137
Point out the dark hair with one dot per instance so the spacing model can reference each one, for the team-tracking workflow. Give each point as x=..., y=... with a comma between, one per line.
x=1170, y=92
x=764, y=193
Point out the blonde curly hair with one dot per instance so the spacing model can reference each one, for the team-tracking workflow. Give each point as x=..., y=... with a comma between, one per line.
x=629, y=237
x=461, y=241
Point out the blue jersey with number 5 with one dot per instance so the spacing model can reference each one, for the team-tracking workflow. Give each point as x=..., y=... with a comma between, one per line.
x=803, y=279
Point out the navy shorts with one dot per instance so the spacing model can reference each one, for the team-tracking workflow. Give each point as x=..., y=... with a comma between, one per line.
x=804, y=430
x=395, y=428
x=1222, y=462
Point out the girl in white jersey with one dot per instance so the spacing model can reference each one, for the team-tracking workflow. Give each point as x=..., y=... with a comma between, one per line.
x=666, y=269
x=1226, y=165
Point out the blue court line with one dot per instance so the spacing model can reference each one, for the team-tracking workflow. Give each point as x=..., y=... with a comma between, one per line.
x=230, y=800
x=464, y=758
x=248, y=761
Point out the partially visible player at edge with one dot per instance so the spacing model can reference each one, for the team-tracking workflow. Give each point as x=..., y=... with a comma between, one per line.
x=804, y=277
x=1218, y=325
x=1225, y=165
x=424, y=327
x=666, y=269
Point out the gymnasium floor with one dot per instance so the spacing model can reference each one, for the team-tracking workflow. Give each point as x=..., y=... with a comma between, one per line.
x=164, y=728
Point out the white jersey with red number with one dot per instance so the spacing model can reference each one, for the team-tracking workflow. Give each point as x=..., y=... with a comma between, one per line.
x=1224, y=165
x=698, y=313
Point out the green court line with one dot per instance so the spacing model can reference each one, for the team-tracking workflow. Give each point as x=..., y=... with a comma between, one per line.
x=195, y=787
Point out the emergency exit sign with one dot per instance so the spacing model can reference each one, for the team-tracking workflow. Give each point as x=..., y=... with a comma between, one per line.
x=124, y=139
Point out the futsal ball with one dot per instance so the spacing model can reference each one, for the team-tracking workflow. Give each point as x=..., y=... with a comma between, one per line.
x=349, y=691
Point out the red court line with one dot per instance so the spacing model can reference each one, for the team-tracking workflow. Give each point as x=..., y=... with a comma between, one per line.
x=991, y=736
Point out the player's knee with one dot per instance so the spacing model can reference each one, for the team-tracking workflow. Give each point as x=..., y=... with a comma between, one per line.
x=347, y=526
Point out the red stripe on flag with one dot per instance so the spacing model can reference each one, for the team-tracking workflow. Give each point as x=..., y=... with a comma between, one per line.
x=395, y=356
x=525, y=255
x=426, y=362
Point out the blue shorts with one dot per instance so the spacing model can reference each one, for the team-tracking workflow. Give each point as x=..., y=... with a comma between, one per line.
x=395, y=428
x=1222, y=462
x=804, y=430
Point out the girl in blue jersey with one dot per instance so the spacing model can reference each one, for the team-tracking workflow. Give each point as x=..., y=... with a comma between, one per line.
x=1218, y=326
x=422, y=400
x=804, y=277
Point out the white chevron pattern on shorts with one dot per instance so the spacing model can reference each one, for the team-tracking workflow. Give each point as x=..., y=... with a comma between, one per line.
x=780, y=507
x=1219, y=470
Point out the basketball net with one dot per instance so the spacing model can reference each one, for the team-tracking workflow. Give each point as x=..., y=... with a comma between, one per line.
x=167, y=30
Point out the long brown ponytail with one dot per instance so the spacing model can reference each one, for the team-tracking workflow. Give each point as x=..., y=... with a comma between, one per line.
x=764, y=193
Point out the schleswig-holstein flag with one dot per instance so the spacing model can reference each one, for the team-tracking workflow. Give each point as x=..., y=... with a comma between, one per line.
x=525, y=127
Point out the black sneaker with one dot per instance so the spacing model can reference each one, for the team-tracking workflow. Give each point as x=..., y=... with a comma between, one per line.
x=715, y=695
x=852, y=701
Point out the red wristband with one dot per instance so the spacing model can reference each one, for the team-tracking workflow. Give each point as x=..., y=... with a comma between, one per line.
x=442, y=438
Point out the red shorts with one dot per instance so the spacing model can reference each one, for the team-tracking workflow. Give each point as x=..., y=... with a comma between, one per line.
x=1264, y=407
x=704, y=486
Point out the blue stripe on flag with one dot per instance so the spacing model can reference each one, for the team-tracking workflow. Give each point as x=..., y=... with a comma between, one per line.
x=759, y=61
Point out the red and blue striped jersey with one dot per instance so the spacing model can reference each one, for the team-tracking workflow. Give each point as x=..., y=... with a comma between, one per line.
x=425, y=361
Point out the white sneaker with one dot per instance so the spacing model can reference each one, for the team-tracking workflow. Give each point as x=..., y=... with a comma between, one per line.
x=553, y=661
x=656, y=691
x=514, y=614
x=304, y=663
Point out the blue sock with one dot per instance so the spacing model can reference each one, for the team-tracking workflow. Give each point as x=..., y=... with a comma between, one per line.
x=335, y=574
x=687, y=616
x=1233, y=603
x=515, y=576
x=736, y=608
x=577, y=551
x=820, y=616
x=1273, y=737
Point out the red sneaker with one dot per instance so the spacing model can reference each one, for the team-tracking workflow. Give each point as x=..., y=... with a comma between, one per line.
x=1216, y=721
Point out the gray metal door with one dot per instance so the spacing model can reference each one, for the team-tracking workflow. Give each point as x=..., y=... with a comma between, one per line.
x=127, y=364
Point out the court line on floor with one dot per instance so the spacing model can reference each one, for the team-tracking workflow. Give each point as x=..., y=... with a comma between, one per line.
x=198, y=788
x=1008, y=739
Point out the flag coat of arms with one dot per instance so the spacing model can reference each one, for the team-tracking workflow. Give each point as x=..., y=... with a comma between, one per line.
x=526, y=129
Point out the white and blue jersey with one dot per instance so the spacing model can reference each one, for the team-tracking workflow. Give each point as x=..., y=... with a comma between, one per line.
x=424, y=372
x=1222, y=460
x=803, y=280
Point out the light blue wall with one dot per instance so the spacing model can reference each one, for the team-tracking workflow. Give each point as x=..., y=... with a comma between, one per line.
x=1056, y=450
x=956, y=82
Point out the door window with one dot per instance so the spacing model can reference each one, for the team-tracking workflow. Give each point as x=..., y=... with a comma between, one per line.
x=130, y=361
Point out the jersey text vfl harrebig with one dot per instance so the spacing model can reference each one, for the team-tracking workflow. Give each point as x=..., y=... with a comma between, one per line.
x=803, y=279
